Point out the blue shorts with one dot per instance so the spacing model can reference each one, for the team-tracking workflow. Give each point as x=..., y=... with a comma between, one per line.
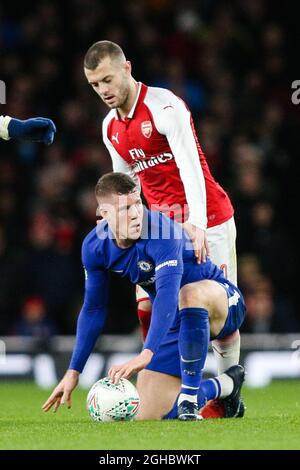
x=167, y=360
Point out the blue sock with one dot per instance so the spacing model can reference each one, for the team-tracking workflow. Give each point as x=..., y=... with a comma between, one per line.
x=193, y=345
x=209, y=390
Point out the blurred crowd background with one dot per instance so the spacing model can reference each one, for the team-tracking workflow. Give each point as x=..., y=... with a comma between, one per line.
x=231, y=62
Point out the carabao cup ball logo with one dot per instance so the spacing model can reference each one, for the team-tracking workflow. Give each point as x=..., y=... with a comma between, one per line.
x=145, y=266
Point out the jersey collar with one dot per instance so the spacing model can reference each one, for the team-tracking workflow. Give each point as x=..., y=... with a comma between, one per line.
x=138, y=98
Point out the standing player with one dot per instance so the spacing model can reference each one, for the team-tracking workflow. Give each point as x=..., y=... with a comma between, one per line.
x=190, y=302
x=150, y=135
x=35, y=129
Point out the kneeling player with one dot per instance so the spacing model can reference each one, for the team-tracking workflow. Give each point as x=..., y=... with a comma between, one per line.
x=173, y=370
x=156, y=253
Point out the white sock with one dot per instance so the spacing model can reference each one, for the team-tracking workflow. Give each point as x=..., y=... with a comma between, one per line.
x=226, y=385
x=184, y=396
x=227, y=351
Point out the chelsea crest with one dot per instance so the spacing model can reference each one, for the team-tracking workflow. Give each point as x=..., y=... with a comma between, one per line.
x=145, y=266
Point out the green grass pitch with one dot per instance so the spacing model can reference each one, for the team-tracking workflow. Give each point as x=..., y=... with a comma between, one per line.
x=272, y=421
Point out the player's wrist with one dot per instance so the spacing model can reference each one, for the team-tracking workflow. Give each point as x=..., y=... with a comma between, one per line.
x=72, y=373
x=147, y=354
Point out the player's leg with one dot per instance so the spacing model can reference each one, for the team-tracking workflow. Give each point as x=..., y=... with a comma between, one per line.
x=221, y=241
x=203, y=311
x=144, y=309
x=227, y=385
x=224, y=306
x=226, y=340
x=159, y=384
x=227, y=351
x=157, y=392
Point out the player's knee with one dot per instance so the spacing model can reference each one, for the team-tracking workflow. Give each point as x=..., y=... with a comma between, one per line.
x=193, y=296
x=231, y=338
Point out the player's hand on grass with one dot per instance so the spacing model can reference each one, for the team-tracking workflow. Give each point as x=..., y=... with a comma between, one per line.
x=199, y=240
x=62, y=393
x=33, y=130
x=131, y=367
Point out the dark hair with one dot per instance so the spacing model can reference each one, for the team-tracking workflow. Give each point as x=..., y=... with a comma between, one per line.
x=114, y=183
x=99, y=51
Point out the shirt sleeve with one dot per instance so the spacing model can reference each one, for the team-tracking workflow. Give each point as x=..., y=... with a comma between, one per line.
x=169, y=269
x=4, y=121
x=175, y=122
x=93, y=312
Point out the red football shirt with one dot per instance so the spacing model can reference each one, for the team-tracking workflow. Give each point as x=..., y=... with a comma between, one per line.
x=157, y=142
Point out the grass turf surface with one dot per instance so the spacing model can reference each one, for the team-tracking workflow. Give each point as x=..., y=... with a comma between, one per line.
x=272, y=421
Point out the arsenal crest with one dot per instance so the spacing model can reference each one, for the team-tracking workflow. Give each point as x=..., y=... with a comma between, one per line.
x=146, y=128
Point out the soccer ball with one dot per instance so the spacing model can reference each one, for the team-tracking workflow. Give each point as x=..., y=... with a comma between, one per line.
x=113, y=402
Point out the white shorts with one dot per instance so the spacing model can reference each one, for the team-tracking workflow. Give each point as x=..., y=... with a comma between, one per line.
x=221, y=241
